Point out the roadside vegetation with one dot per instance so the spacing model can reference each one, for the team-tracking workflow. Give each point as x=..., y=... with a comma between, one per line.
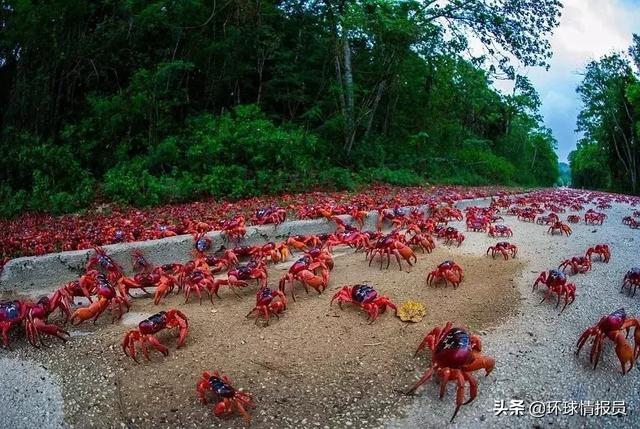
x=608, y=156
x=151, y=102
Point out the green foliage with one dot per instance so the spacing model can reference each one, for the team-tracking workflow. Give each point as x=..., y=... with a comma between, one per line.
x=131, y=183
x=231, y=181
x=146, y=102
x=589, y=167
x=608, y=156
x=399, y=177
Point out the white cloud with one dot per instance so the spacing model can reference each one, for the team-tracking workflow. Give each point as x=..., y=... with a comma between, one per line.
x=588, y=30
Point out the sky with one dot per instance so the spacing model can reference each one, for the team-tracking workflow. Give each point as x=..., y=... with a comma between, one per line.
x=588, y=30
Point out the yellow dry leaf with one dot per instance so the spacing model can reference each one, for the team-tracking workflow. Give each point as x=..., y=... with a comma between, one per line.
x=411, y=311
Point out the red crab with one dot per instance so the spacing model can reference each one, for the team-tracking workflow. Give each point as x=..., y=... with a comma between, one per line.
x=450, y=213
x=613, y=327
x=275, y=252
x=62, y=298
x=389, y=245
x=631, y=281
x=477, y=224
x=578, y=264
x=505, y=248
x=352, y=238
x=275, y=215
x=547, y=220
x=227, y=398
x=319, y=255
x=500, y=231
x=601, y=250
x=358, y=215
x=32, y=316
x=592, y=217
x=221, y=263
x=573, y=219
x=139, y=263
x=527, y=215
x=455, y=355
x=269, y=302
x=423, y=242
x=452, y=235
x=366, y=298
x=301, y=242
x=556, y=282
x=234, y=229
x=560, y=226
x=397, y=216
x=252, y=270
x=202, y=243
x=195, y=279
x=149, y=327
x=448, y=271
x=305, y=270
x=169, y=274
x=102, y=260
x=107, y=298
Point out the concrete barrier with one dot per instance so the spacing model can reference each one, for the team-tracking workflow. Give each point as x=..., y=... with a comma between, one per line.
x=34, y=275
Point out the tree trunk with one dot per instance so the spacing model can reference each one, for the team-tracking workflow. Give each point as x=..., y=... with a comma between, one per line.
x=348, y=94
x=374, y=108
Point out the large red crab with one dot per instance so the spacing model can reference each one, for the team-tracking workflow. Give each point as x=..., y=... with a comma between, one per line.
x=234, y=229
x=101, y=260
x=195, y=279
x=422, y=241
x=613, y=327
x=455, y=355
x=269, y=302
x=149, y=327
x=228, y=399
x=366, y=298
x=556, y=282
x=547, y=220
x=631, y=280
x=302, y=242
x=500, y=231
x=592, y=217
x=32, y=316
x=560, y=226
x=398, y=217
x=505, y=248
x=452, y=235
x=139, y=262
x=217, y=264
x=275, y=215
x=352, y=238
x=573, y=219
x=448, y=271
x=272, y=251
x=390, y=244
x=107, y=298
x=601, y=250
x=305, y=270
x=238, y=277
x=578, y=264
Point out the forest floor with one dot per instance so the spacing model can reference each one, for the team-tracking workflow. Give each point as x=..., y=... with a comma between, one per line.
x=319, y=366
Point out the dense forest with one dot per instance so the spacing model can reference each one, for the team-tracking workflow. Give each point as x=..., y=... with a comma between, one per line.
x=608, y=156
x=145, y=102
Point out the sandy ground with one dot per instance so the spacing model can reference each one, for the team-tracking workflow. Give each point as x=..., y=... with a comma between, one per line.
x=535, y=349
x=324, y=367
x=318, y=366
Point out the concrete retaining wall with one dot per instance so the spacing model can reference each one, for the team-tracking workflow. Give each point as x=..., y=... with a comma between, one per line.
x=33, y=275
